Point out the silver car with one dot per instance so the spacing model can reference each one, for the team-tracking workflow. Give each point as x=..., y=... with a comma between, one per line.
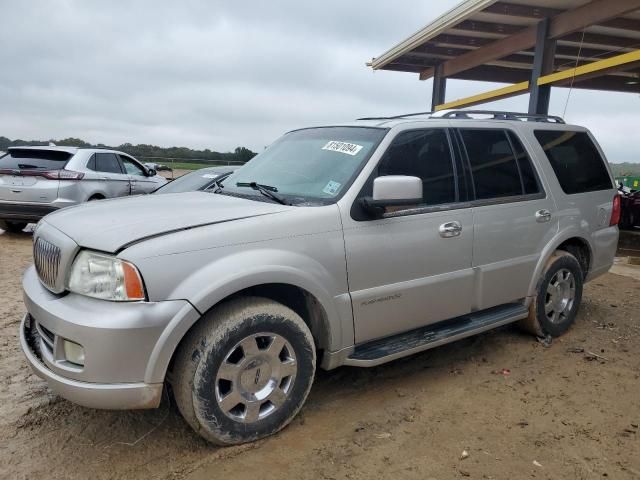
x=35, y=181
x=201, y=179
x=352, y=245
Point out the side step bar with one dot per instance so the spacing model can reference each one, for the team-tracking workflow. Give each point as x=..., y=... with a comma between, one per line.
x=383, y=350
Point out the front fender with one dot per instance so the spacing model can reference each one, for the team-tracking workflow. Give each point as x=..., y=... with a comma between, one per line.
x=216, y=281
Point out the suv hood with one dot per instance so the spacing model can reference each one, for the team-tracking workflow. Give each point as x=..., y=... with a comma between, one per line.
x=109, y=225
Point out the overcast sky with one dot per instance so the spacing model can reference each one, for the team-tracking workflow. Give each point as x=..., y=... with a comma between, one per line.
x=219, y=74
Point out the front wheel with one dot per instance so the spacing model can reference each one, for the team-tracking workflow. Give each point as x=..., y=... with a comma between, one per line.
x=558, y=296
x=244, y=371
x=13, y=227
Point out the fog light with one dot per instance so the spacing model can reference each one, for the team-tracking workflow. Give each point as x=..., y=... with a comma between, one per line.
x=73, y=353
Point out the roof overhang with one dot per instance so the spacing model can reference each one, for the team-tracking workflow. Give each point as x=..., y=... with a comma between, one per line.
x=494, y=40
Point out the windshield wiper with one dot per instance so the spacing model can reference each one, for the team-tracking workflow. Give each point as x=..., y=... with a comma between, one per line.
x=218, y=182
x=266, y=190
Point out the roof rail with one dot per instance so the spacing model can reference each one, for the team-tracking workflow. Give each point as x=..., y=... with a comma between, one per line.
x=394, y=117
x=498, y=115
x=495, y=115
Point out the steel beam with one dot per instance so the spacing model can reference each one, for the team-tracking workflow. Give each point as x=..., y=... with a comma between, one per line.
x=439, y=88
x=491, y=96
x=591, y=74
x=543, y=63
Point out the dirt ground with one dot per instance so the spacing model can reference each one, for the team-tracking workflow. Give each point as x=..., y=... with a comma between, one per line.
x=172, y=174
x=517, y=408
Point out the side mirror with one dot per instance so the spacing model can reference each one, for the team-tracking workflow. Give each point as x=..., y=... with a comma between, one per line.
x=393, y=191
x=151, y=172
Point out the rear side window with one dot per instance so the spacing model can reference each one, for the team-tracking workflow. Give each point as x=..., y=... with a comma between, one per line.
x=529, y=179
x=107, y=162
x=575, y=160
x=493, y=163
x=31, y=159
x=91, y=164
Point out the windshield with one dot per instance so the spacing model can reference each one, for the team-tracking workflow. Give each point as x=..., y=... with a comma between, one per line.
x=314, y=165
x=194, y=181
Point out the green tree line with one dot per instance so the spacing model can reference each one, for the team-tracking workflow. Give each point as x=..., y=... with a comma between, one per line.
x=240, y=154
x=626, y=169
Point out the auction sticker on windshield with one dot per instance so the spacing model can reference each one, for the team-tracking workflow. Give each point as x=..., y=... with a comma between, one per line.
x=332, y=188
x=342, y=147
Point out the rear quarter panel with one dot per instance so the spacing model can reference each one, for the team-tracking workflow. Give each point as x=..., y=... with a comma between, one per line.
x=582, y=215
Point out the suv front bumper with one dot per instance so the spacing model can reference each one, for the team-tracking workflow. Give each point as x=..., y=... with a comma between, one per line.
x=127, y=345
x=112, y=396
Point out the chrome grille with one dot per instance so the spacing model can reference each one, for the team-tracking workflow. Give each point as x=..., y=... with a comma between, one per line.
x=47, y=260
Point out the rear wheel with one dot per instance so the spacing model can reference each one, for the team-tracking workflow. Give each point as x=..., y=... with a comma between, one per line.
x=558, y=296
x=244, y=371
x=13, y=227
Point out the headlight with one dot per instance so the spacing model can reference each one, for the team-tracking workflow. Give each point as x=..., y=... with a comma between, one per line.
x=105, y=277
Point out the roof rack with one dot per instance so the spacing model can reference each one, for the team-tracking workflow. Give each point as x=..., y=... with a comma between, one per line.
x=497, y=115
x=464, y=114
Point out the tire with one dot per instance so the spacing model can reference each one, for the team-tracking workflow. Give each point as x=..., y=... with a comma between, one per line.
x=627, y=221
x=229, y=357
x=553, y=310
x=12, y=227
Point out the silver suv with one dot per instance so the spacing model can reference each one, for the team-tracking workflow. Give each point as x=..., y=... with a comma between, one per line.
x=35, y=181
x=353, y=245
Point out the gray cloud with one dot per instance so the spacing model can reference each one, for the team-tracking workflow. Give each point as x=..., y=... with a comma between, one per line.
x=219, y=74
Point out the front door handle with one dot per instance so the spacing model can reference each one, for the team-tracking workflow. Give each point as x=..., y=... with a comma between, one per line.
x=543, y=215
x=450, y=229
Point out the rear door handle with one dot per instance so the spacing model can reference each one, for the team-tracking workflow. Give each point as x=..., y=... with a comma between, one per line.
x=543, y=215
x=450, y=229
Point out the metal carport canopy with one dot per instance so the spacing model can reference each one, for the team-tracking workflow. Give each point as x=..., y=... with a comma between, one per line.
x=533, y=44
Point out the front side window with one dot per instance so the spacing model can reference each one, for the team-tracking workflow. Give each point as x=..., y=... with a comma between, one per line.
x=108, y=163
x=424, y=154
x=131, y=168
x=314, y=165
x=575, y=160
x=493, y=163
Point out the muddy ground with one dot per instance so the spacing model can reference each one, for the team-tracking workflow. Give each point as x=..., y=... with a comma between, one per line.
x=518, y=409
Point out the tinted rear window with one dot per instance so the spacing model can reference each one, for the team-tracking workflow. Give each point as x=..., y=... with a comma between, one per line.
x=575, y=160
x=28, y=159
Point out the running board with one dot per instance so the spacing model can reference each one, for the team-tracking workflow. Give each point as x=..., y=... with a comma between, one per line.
x=383, y=350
